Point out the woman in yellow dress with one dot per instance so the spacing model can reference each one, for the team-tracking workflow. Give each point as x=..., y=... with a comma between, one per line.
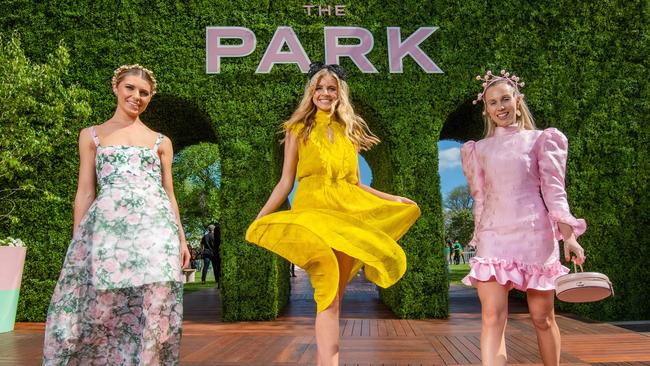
x=336, y=224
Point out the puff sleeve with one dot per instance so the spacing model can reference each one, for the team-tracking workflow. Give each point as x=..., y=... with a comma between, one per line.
x=552, y=150
x=475, y=178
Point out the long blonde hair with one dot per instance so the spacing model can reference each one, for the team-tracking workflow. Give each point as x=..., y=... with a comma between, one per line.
x=524, y=121
x=356, y=129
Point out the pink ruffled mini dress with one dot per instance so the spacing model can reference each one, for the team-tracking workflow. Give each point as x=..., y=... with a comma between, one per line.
x=516, y=179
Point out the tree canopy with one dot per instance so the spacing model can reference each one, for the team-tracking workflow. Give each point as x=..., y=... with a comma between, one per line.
x=39, y=115
x=197, y=178
x=459, y=198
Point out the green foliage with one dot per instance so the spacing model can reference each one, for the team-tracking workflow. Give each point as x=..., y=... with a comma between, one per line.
x=37, y=113
x=461, y=226
x=32, y=305
x=584, y=63
x=41, y=116
x=197, y=178
x=459, y=198
x=458, y=216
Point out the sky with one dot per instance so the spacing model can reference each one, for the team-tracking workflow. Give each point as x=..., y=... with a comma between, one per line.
x=449, y=168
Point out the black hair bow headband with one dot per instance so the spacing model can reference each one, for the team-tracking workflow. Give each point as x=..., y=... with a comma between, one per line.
x=318, y=66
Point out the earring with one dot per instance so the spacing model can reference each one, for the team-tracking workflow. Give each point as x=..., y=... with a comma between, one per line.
x=518, y=113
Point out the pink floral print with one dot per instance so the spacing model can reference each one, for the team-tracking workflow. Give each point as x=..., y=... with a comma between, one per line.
x=118, y=300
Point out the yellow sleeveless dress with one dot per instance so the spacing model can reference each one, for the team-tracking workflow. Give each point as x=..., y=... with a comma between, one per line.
x=330, y=211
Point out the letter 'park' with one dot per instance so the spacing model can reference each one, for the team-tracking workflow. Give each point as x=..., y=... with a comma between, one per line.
x=398, y=48
x=228, y=74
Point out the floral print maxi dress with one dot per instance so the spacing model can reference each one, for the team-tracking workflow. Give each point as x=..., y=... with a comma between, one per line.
x=118, y=300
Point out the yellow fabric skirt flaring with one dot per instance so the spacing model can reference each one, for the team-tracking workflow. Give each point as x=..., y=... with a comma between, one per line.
x=336, y=215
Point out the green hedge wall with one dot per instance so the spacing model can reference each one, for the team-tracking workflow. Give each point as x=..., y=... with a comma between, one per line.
x=39, y=117
x=584, y=65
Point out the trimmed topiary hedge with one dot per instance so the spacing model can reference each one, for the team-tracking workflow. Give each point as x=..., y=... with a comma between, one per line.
x=584, y=65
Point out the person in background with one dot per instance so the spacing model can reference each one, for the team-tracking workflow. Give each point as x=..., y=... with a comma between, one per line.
x=195, y=253
x=210, y=246
x=459, y=252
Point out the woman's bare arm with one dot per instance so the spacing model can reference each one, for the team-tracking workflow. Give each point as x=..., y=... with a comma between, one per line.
x=382, y=195
x=166, y=152
x=87, y=179
x=284, y=186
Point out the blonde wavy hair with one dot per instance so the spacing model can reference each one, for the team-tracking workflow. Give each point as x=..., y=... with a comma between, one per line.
x=356, y=128
x=524, y=120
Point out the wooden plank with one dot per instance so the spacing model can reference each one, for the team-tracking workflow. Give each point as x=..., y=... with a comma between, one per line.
x=356, y=329
x=520, y=349
x=374, y=328
x=309, y=357
x=222, y=344
x=347, y=331
x=622, y=347
x=442, y=351
x=456, y=353
x=370, y=335
x=397, y=324
x=471, y=353
x=382, y=330
x=365, y=328
x=294, y=350
x=390, y=328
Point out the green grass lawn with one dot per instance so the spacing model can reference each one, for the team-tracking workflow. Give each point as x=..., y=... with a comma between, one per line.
x=197, y=285
x=457, y=272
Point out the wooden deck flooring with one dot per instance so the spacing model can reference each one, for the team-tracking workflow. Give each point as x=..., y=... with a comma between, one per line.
x=370, y=335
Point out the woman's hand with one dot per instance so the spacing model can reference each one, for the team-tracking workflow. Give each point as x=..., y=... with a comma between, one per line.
x=185, y=254
x=404, y=200
x=571, y=246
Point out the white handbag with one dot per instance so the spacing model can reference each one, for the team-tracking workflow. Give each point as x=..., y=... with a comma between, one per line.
x=583, y=286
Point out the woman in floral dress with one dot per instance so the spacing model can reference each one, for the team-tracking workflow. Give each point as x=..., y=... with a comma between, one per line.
x=118, y=300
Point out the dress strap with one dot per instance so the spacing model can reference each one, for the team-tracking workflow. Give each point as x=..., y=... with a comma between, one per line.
x=93, y=134
x=158, y=141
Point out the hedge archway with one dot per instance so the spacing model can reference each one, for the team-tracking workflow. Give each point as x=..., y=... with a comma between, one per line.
x=584, y=65
x=179, y=119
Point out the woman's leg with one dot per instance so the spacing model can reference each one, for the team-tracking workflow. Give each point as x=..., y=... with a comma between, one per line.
x=327, y=321
x=206, y=264
x=542, y=313
x=494, y=315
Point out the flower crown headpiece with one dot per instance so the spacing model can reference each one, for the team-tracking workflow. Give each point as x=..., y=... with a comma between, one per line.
x=124, y=68
x=318, y=66
x=490, y=79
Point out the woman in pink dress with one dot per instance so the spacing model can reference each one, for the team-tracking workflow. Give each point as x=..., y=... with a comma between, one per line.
x=516, y=176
